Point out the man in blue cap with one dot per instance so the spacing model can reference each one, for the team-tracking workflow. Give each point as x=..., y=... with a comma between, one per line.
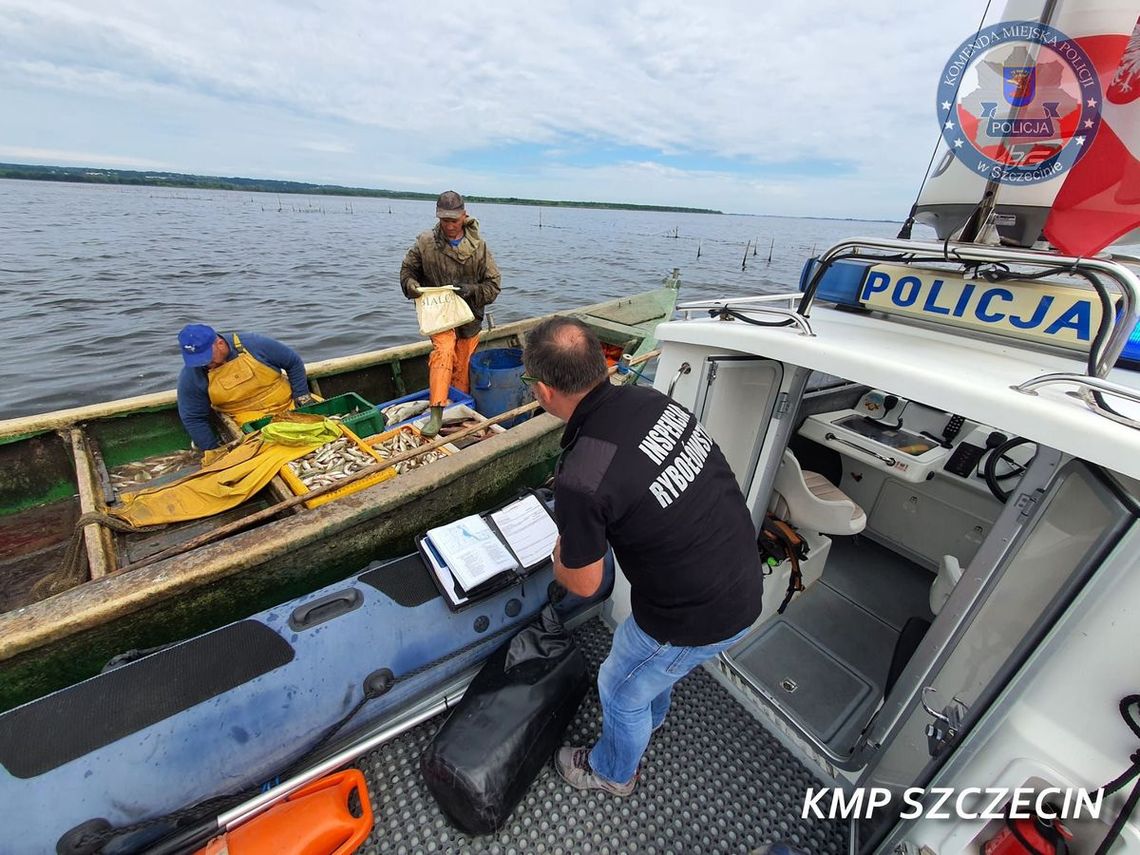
x=239, y=374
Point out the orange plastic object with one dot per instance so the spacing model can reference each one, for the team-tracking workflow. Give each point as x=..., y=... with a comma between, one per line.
x=314, y=820
x=613, y=353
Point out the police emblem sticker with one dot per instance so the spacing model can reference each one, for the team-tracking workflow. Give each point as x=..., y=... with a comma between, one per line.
x=1019, y=102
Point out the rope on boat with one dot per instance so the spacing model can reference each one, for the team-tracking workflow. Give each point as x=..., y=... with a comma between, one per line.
x=1130, y=712
x=73, y=569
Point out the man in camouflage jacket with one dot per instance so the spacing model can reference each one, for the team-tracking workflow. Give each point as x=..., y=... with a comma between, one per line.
x=452, y=253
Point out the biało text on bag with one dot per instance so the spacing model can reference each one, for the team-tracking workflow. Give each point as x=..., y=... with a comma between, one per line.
x=440, y=309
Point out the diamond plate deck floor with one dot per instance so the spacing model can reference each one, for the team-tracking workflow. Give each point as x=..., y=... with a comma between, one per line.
x=713, y=780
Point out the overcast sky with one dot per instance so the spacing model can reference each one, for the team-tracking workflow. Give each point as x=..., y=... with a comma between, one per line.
x=817, y=107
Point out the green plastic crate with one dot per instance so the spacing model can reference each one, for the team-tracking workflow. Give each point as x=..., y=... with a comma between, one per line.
x=365, y=419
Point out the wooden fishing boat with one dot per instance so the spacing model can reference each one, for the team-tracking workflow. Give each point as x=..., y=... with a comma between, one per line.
x=143, y=589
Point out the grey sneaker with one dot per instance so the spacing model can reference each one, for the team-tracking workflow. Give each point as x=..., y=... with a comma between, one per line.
x=573, y=764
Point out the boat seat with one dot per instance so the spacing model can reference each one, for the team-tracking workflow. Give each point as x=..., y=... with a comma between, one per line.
x=814, y=503
x=949, y=572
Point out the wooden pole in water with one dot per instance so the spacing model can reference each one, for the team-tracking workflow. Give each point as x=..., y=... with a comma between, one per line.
x=754, y=245
x=770, y=250
x=293, y=501
x=744, y=261
x=698, y=249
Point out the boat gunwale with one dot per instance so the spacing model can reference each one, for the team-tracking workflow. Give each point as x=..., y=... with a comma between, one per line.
x=25, y=427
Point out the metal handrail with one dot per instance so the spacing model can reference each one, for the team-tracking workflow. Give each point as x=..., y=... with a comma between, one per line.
x=792, y=315
x=1126, y=280
x=1029, y=387
x=1124, y=257
x=790, y=296
x=681, y=372
x=1086, y=384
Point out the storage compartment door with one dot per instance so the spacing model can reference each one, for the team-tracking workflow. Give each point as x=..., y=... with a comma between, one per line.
x=1051, y=537
x=925, y=526
x=735, y=405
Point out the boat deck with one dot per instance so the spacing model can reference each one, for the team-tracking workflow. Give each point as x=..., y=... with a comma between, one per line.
x=713, y=780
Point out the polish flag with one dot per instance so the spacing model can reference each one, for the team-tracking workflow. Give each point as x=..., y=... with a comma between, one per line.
x=1100, y=199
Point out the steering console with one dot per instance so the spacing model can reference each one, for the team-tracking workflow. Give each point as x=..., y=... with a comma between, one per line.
x=999, y=454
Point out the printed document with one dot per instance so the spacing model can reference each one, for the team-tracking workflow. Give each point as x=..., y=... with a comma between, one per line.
x=528, y=529
x=471, y=550
x=447, y=582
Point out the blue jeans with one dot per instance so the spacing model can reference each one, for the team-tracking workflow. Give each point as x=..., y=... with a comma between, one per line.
x=635, y=685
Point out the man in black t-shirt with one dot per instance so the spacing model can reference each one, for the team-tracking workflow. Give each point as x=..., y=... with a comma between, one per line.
x=640, y=473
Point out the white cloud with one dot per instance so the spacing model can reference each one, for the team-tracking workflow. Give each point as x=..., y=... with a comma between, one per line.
x=405, y=87
x=326, y=146
x=52, y=156
x=865, y=194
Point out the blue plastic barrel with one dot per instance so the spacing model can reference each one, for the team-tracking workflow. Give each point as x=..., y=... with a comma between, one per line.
x=496, y=382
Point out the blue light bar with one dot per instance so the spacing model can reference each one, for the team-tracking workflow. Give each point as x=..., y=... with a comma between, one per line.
x=1130, y=356
x=843, y=284
x=840, y=284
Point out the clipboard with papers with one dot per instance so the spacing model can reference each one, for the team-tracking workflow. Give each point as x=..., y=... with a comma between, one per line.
x=478, y=555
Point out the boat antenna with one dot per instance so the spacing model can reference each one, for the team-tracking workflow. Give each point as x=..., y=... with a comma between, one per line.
x=904, y=232
x=985, y=207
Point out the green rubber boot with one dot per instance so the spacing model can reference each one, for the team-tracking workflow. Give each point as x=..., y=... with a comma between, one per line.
x=434, y=423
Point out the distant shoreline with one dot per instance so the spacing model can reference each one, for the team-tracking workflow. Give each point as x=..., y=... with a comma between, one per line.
x=89, y=175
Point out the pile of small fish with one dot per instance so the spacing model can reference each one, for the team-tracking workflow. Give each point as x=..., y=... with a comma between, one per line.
x=131, y=475
x=400, y=412
x=332, y=462
x=404, y=441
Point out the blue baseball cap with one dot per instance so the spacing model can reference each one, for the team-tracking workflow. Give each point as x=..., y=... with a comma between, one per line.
x=197, y=343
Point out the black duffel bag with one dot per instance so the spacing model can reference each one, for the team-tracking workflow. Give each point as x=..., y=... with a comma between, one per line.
x=507, y=726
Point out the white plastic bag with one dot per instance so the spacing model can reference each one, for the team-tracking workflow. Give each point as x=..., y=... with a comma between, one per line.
x=440, y=309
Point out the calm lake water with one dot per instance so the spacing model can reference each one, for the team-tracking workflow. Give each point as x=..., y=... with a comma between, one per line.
x=97, y=280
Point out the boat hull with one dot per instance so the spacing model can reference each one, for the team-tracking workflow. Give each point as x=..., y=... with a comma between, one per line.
x=235, y=707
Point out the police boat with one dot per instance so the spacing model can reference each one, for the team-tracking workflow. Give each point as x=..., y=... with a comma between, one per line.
x=951, y=432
